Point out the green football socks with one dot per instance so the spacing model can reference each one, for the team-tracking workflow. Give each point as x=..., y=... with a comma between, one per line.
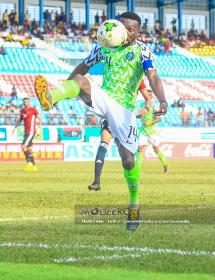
x=139, y=159
x=133, y=178
x=162, y=158
x=66, y=90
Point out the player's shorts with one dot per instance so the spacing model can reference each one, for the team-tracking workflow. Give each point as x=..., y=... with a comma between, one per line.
x=28, y=140
x=105, y=126
x=122, y=121
x=144, y=140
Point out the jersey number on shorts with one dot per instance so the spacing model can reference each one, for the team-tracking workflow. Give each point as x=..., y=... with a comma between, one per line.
x=132, y=133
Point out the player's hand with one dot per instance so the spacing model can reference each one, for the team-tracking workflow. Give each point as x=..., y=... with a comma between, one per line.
x=13, y=130
x=162, y=109
x=144, y=124
x=142, y=112
x=38, y=131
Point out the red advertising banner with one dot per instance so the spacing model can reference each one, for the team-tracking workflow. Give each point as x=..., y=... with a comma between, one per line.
x=42, y=152
x=181, y=151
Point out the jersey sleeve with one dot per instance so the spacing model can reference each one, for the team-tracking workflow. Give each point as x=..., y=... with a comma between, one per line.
x=94, y=57
x=147, y=58
x=142, y=86
x=36, y=113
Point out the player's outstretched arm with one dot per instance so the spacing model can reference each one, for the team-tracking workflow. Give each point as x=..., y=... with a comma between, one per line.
x=157, y=88
x=80, y=69
x=40, y=124
x=152, y=122
x=17, y=124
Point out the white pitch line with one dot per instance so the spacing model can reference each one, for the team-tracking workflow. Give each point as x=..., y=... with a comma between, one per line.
x=32, y=218
x=115, y=256
x=145, y=250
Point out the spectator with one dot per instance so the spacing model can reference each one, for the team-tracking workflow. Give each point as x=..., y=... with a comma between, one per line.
x=103, y=17
x=31, y=44
x=145, y=27
x=5, y=18
x=16, y=19
x=189, y=118
x=199, y=117
x=180, y=103
x=117, y=16
x=157, y=27
x=27, y=15
x=174, y=25
x=56, y=18
x=205, y=118
x=2, y=50
x=192, y=25
x=183, y=116
x=167, y=46
x=25, y=43
x=175, y=104
x=97, y=19
x=53, y=18
x=51, y=120
x=80, y=121
x=210, y=117
x=11, y=18
x=58, y=136
x=26, y=24
x=71, y=112
x=9, y=37
x=14, y=93
x=94, y=120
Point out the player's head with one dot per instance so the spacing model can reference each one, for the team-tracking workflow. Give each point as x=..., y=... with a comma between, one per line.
x=26, y=102
x=132, y=24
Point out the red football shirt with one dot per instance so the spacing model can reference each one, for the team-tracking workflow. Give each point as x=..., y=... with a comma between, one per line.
x=29, y=117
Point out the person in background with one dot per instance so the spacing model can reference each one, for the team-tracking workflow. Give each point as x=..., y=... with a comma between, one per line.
x=189, y=117
x=2, y=50
x=205, y=118
x=157, y=27
x=26, y=24
x=97, y=19
x=167, y=46
x=5, y=18
x=199, y=117
x=183, y=116
x=174, y=25
x=53, y=18
x=11, y=18
x=14, y=93
x=180, y=103
x=103, y=17
x=210, y=118
x=71, y=112
x=58, y=136
x=27, y=15
x=16, y=19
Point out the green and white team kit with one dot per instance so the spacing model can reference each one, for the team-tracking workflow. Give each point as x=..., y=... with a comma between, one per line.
x=151, y=129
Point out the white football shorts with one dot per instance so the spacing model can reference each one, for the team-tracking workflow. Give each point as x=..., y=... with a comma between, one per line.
x=122, y=121
x=144, y=140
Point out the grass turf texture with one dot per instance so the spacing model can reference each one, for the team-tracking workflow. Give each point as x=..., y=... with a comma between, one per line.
x=48, y=198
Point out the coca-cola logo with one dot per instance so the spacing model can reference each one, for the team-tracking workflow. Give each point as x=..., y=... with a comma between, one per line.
x=167, y=150
x=204, y=150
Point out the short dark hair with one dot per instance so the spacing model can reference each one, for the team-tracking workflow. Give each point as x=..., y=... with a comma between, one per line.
x=131, y=15
x=25, y=98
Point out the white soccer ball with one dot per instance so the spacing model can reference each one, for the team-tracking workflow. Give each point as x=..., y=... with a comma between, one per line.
x=112, y=34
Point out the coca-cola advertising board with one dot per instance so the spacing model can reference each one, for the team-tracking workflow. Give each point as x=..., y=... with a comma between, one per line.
x=182, y=151
x=42, y=152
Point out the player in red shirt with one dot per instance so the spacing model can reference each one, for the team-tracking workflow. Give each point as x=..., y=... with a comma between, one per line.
x=29, y=115
x=106, y=138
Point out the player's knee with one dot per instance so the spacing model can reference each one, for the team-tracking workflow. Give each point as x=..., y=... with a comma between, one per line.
x=80, y=80
x=140, y=149
x=24, y=148
x=128, y=163
x=156, y=150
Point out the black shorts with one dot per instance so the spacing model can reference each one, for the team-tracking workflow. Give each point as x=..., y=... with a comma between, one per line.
x=105, y=125
x=28, y=140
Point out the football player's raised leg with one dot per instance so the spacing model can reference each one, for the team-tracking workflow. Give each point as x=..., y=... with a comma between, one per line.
x=162, y=159
x=79, y=85
x=132, y=176
x=140, y=156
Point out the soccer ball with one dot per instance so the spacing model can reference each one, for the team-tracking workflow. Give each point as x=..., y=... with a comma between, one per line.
x=112, y=34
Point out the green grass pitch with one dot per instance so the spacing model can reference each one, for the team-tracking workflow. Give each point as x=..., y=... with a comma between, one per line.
x=39, y=239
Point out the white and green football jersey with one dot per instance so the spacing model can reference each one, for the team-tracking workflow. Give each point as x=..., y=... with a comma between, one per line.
x=123, y=70
x=153, y=128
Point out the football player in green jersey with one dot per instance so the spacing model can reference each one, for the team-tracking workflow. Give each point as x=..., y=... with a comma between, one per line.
x=116, y=100
x=149, y=134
